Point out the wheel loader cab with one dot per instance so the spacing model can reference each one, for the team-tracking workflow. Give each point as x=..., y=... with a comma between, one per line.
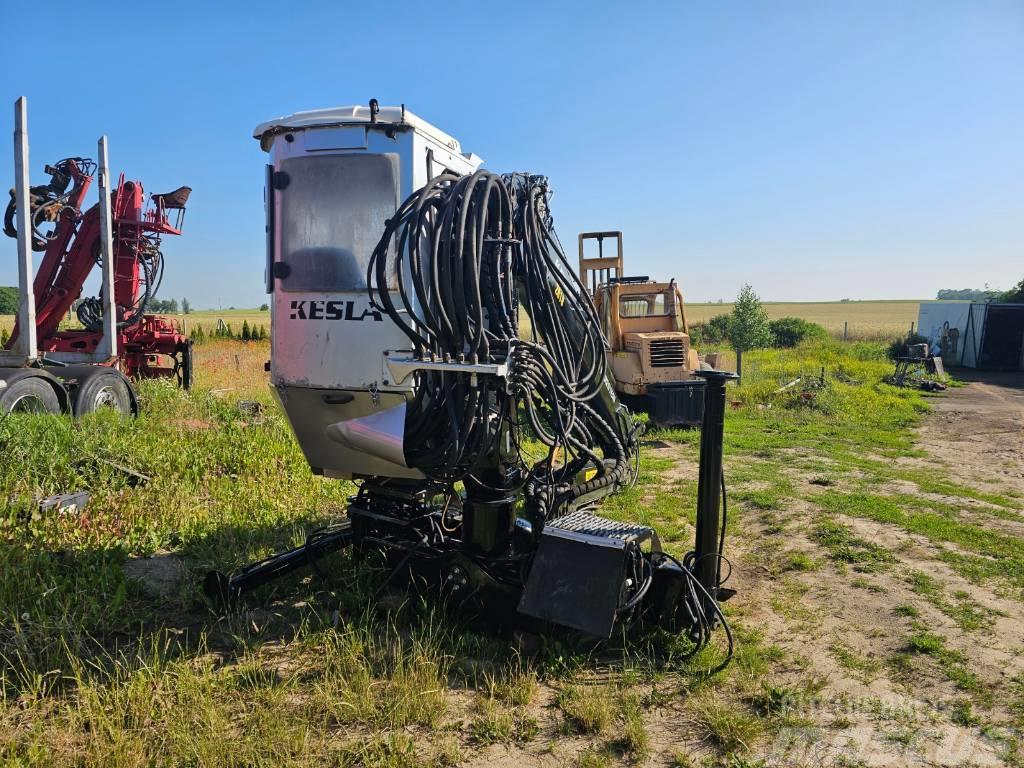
x=334, y=178
x=647, y=333
x=652, y=362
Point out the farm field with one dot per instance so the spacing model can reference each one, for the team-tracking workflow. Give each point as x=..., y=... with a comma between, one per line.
x=206, y=318
x=865, y=319
x=875, y=534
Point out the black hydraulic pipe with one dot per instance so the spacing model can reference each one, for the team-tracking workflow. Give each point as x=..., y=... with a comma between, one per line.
x=709, y=496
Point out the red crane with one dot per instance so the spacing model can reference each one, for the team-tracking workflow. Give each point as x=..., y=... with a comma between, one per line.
x=70, y=237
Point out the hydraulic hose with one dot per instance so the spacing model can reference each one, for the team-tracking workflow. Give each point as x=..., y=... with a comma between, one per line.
x=452, y=269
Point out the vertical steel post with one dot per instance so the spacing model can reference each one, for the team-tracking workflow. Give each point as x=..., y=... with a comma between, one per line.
x=25, y=346
x=108, y=345
x=709, y=487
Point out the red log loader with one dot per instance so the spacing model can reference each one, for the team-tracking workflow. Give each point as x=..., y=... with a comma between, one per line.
x=45, y=367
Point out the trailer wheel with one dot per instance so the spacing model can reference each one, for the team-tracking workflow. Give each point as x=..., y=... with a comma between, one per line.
x=104, y=391
x=29, y=395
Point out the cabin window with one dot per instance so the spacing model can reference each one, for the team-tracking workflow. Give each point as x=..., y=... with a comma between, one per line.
x=333, y=210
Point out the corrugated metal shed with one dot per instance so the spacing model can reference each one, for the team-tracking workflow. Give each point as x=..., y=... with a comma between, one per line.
x=975, y=335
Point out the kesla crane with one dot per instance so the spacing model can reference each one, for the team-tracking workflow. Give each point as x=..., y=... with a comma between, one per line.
x=91, y=366
x=481, y=449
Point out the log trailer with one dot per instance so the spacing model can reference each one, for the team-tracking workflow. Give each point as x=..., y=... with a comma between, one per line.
x=46, y=368
x=397, y=268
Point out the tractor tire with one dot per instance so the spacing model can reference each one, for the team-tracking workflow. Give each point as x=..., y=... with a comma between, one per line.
x=29, y=395
x=108, y=390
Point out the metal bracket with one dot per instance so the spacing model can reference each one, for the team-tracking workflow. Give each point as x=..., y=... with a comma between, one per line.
x=401, y=367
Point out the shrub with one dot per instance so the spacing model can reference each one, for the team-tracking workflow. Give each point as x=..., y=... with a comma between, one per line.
x=789, y=331
x=713, y=331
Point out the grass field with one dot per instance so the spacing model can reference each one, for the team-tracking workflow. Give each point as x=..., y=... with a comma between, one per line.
x=879, y=604
x=864, y=319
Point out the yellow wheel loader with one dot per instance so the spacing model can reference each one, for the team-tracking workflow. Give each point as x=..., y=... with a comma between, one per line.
x=650, y=357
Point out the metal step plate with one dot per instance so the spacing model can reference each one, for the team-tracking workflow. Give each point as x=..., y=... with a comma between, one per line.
x=593, y=525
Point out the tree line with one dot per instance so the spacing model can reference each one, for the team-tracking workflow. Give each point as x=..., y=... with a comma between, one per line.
x=1015, y=294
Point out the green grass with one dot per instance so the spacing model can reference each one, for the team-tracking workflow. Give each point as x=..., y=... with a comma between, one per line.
x=635, y=740
x=96, y=672
x=952, y=663
x=937, y=523
x=800, y=561
x=495, y=724
x=586, y=709
x=863, y=667
x=844, y=548
x=726, y=726
x=962, y=609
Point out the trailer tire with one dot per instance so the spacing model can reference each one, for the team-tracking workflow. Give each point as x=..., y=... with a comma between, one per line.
x=104, y=391
x=32, y=394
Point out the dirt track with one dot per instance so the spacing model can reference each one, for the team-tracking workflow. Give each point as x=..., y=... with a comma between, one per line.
x=973, y=437
x=977, y=431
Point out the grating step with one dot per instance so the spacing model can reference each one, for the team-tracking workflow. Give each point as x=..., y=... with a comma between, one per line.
x=594, y=525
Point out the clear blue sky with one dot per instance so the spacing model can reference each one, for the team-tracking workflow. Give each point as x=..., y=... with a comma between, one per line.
x=818, y=150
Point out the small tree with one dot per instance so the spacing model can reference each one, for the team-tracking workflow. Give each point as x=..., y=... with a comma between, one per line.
x=246, y=334
x=186, y=307
x=264, y=307
x=748, y=325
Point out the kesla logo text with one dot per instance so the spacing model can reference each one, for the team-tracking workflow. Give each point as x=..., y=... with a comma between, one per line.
x=331, y=310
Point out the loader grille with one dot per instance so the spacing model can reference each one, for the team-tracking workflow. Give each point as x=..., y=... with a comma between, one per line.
x=668, y=353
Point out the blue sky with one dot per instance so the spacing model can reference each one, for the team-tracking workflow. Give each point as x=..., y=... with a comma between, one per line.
x=816, y=150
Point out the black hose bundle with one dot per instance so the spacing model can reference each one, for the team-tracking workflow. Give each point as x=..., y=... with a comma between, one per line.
x=151, y=274
x=48, y=201
x=462, y=254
